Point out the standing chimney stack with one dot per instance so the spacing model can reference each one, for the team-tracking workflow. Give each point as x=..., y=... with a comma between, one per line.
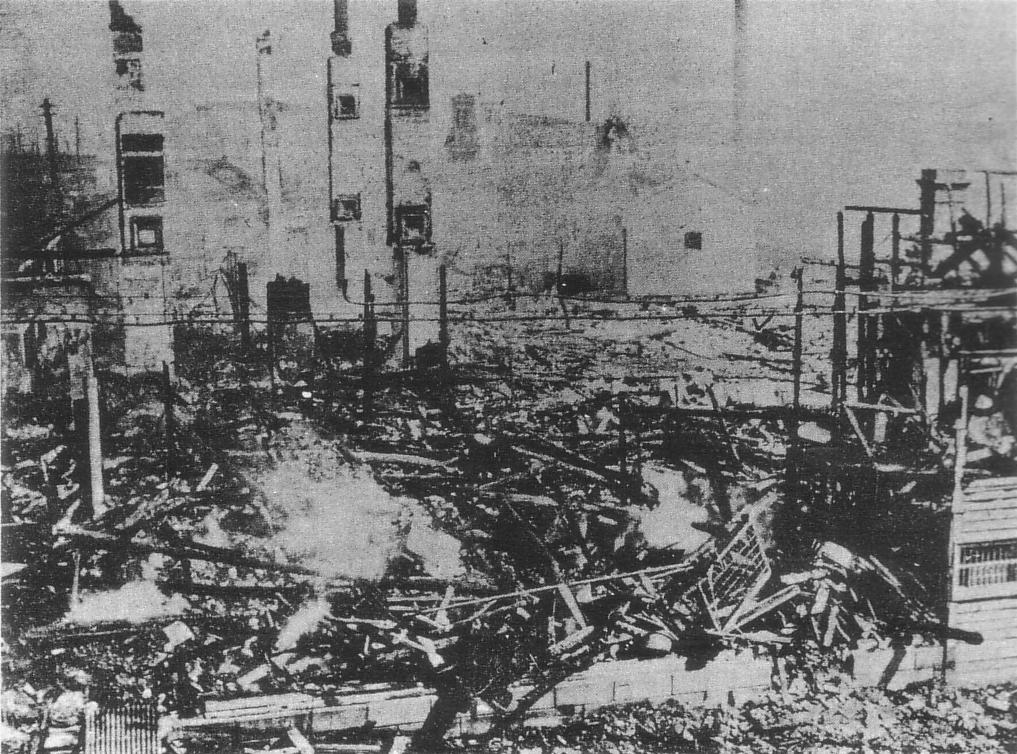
x=407, y=13
x=341, y=44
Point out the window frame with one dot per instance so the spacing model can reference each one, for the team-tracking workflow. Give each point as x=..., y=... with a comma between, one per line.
x=136, y=223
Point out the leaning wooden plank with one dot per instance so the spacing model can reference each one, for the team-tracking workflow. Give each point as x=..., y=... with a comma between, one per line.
x=300, y=741
x=573, y=606
x=277, y=701
x=399, y=459
x=750, y=612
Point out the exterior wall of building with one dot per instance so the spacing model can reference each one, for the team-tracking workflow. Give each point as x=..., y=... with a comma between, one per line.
x=662, y=258
x=512, y=177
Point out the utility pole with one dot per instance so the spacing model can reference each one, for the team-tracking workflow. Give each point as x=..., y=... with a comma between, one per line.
x=797, y=354
x=370, y=333
x=559, y=283
x=404, y=294
x=625, y=260
x=97, y=489
x=51, y=145
x=443, y=338
x=510, y=286
x=838, y=355
x=927, y=207
x=244, y=306
x=867, y=329
x=894, y=251
x=171, y=423
x=84, y=390
x=587, y=91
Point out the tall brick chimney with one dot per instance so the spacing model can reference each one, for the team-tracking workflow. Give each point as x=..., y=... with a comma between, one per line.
x=127, y=48
x=407, y=13
x=341, y=44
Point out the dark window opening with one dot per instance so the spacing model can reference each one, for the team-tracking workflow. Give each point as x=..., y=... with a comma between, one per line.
x=141, y=142
x=127, y=42
x=413, y=223
x=144, y=179
x=409, y=88
x=346, y=107
x=694, y=240
x=346, y=208
x=129, y=74
x=146, y=234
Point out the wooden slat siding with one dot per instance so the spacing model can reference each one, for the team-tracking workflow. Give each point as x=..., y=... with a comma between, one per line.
x=132, y=729
x=985, y=606
x=994, y=511
x=984, y=491
x=985, y=511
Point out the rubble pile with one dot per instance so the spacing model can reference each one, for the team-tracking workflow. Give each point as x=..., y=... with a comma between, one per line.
x=466, y=531
x=830, y=716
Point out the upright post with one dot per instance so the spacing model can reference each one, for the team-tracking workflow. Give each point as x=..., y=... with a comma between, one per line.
x=80, y=414
x=510, y=283
x=51, y=145
x=960, y=460
x=370, y=333
x=244, y=305
x=171, y=424
x=927, y=207
x=866, y=331
x=77, y=137
x=797, y=353
x=894, y=251
x=443, y=338
x=404, y=264
x=625, y=260
x=838, y=355
x=96, y=488
x=559, y=284
x=587, y=91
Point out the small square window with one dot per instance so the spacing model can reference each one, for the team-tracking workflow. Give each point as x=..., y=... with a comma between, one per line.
x=346, y=208
x=146, y=233
x=413, y=224
x=346, y=107
x=694, y=240
x=143, y=179
x=409, y=85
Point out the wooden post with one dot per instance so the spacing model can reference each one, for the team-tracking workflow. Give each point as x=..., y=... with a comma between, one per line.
x=443, y=338
x=622, y=446
x=587, y=91
x=988, y=201
x=797, y=353
x=171, y=424
x=559, y=283
x=96, y=488
x=77, y=138
x=894, y=251
x=370, y=333
x=927, y=206
x=960, y=460
x=838, y=355
x=510, y=284
x=625, y=260
x=51, y=145
x=80, y=415
x=867, y=332
x=244, y=305
x=404, y=265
